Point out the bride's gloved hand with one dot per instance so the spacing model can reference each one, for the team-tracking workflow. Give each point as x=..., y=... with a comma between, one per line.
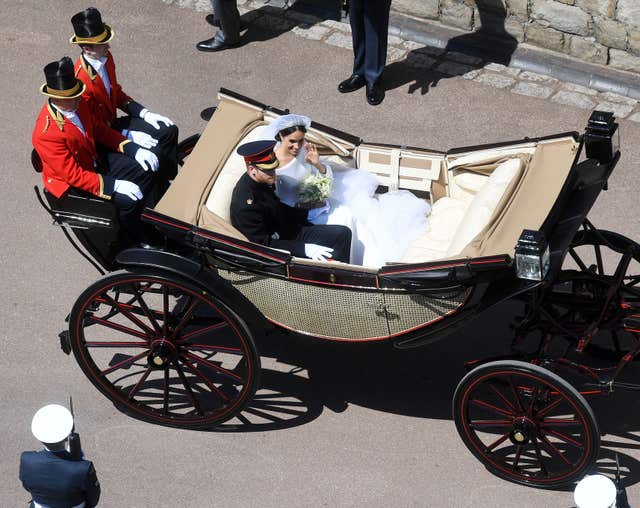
x=317, y=252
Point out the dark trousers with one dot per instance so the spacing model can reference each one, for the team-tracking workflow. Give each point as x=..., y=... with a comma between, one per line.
x=165, y=150
x=121, y=167
x=333, y=236
x=226, y=11
x=369, y=29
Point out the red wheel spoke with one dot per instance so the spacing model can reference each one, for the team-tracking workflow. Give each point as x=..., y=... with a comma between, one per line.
x=124, y=362
x=165, y=403
x=549, y=407
x=201, y=331
x=116, y=326
x=214, y=366
x=502, y=397
x=185, y=318
x=516, y=394
x=187, y=386
x=490, y=423
x=165, y=311
x=146, y=311
x=565, y=438
x=491, y=407
x=560, y=422
x=206, y=381
x=126, y=312
x=536, y=447
x=534, y=399
x=554, y=450
x=106, y=343
x=498, y=442
x=135, y=389
x=516, y=459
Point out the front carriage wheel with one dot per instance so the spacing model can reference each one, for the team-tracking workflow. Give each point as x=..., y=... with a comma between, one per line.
x=526, y=424
x=164, y=350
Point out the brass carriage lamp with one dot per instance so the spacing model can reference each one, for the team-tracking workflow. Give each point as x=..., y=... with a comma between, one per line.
x=532, y=255
x=602, y=138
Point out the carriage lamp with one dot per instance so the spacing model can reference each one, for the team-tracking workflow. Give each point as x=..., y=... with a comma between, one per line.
x=602, y=139
x=532, y=255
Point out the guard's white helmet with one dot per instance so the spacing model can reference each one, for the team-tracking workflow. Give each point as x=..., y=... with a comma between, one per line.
x=52, y=424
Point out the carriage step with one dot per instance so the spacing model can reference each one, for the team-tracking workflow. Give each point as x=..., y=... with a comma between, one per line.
x=65, y=342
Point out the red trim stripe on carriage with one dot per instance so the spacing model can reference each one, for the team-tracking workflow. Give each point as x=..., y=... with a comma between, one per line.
x=503, y=260
x=158, y=219
x=241, y=247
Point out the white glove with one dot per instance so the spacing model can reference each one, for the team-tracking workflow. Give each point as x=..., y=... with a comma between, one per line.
x=154, y=119
x=147, y=159
x=140, y=138
x=317, y=252
x=127, y=188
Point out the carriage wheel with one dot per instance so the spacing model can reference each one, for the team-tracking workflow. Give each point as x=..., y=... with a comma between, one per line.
x=526, y=424
x=163, y=350
x=581, y=288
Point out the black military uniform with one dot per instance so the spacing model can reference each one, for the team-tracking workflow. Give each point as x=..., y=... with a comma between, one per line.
x=53, y=476
x=257, y=212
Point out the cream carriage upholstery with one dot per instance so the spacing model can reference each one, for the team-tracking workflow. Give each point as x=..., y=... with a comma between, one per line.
x=481, y=199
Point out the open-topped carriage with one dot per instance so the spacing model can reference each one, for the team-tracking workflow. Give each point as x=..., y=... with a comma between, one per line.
x=167, y=334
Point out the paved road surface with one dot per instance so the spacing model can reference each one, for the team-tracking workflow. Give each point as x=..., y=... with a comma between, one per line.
x=374, y=426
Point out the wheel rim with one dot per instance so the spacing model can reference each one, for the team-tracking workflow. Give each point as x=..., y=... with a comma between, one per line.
x=163, y=351
x=527, y=428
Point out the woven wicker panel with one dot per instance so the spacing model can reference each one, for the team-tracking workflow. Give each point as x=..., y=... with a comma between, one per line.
x=340, y=313
x=316, y=310
x=408, y=311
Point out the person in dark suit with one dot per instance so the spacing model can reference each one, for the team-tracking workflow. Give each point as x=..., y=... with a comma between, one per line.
x=369, y=30
x=52, y=477
x=257, y=212
x=227, y=17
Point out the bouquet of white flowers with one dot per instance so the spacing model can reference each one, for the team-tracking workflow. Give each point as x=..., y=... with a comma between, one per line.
x=314, y=191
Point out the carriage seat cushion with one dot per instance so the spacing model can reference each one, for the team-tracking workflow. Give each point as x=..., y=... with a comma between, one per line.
x=484, y=204
x=219, y=200
x=453, y=223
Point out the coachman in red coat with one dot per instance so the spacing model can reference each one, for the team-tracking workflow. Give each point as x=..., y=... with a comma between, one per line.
x=96, y=69
x=65, y=136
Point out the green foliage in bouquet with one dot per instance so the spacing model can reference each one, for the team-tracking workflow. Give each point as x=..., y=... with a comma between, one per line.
x=314, y=190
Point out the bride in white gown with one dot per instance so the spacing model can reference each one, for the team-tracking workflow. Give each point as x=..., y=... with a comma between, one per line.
x=382, y=225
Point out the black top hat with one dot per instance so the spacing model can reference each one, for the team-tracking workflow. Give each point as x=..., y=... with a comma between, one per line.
x=260, y=154
x=89, y=29
x=61, y=80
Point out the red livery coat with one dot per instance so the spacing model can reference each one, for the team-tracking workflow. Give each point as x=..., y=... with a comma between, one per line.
x=68, y=156
x=104, y=105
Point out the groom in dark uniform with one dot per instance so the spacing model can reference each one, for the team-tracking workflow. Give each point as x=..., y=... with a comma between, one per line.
x=257, y=212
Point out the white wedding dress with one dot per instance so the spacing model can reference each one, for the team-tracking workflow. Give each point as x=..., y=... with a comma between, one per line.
x=382, y=225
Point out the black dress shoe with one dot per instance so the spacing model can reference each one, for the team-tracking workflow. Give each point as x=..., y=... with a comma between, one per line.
x=375, y=94
x=214, y=44
x=351, y=84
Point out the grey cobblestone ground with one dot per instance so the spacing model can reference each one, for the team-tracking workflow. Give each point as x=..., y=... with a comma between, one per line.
x=434, y=60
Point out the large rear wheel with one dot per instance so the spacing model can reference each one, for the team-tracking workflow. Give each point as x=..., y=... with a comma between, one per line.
x=526, y=424
x=163, y=350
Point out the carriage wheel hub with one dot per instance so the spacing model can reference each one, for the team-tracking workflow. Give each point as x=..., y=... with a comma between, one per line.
x=161, y=354
x=523, y=430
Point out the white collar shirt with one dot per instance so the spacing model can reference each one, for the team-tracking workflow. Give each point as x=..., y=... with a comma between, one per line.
x=100, y=68
x=73, y=117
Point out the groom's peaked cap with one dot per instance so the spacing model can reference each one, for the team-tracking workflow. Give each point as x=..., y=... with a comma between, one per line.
x=259, y=153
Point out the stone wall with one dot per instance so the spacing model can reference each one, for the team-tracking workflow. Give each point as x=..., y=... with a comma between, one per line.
x=601, y=31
